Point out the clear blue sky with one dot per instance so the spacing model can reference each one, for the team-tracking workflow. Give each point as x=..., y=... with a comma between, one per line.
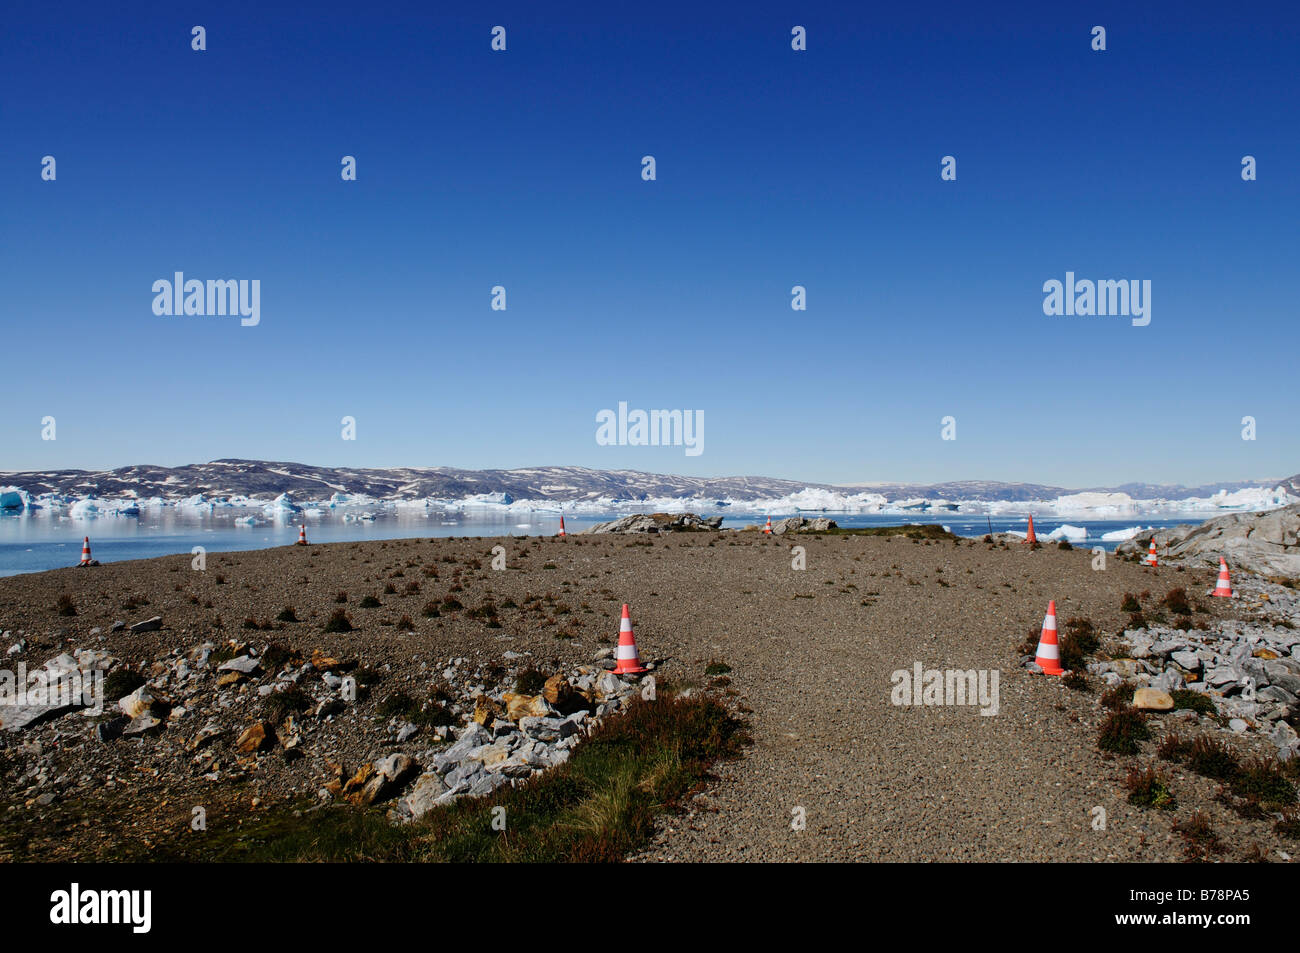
x=775, y=168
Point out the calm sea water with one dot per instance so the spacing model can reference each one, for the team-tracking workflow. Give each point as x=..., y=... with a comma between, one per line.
x=32, y=543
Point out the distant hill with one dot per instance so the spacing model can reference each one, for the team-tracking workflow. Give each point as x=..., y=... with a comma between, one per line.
x=265, y=480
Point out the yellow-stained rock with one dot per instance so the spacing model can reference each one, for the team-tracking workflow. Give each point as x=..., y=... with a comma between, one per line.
x=256, y=737
x=486, y=711
x=1152, y=699
x=524, y=706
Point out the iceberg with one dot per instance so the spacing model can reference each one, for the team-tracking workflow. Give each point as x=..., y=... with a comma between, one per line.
x=12, y=498
x=280, y=505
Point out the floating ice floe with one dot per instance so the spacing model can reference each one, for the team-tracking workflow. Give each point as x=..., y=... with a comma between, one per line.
x=1119, y=535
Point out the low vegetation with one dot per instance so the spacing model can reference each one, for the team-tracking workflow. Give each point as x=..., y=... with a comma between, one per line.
x=599, y=806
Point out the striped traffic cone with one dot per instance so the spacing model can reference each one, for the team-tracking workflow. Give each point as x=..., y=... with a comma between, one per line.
x=562, y=533
x=1223, y=587
x=767, y=530
x=1049, y=650
x=302, y=534
x=1031, y=538
x=1152, y=559
x=85, y=552
x=629, y=662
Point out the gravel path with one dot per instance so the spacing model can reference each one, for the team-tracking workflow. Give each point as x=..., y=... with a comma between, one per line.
x=880, y=782
x=811, y=653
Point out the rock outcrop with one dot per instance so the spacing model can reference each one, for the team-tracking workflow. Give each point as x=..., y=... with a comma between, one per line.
x=1267, y=543
x=657, y=523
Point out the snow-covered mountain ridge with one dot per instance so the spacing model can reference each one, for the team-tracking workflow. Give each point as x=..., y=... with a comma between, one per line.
x=287, y=486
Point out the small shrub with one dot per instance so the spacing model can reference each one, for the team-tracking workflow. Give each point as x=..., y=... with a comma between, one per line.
x=1076, y=681
x=341, y=596
x=1210, y=758
x=1172, y=748
x=369, y=602
x=451, y=604
x=1147, y=788
x=1261, y=782
x=65, y=605
x=1289, y=825
x=1121, y=696
x=389, y=589
x=338, y=622
x=530, y=682
x=287, y=614
x=291, y=701
x=1176, y=602
x=717, y=667
x=1130, y=603
x=120, y=683
x=1122, y=730
x=404, y=624
x=1199, y=837
x=398, y=705
x=1193, y=701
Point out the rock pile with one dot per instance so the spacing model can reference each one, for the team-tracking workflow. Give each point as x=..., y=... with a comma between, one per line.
x=657, y=523
x=799, y=524
x=1249, y=670
x=239, y=710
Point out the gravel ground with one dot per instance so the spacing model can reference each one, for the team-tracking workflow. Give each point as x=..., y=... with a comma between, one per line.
x=811, y=654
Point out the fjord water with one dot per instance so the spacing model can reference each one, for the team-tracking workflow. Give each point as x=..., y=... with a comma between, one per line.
x=41, y=540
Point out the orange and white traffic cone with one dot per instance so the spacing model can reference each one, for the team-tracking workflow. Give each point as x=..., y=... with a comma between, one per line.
x=1223, y=587
x=562, y=533
x=1030, y=537
x=1049, y=650
x=629, y=662
x=302, y=534
x=767, y=530
x=1152, y=559
x=85, y=552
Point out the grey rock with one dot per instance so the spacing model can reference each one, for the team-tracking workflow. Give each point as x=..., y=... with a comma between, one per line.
x=145, y=724
x=1275, y=693
x=244, y=664
x=148, y=625
x=487, y=784
x=420, y=799
x=1168, y=681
